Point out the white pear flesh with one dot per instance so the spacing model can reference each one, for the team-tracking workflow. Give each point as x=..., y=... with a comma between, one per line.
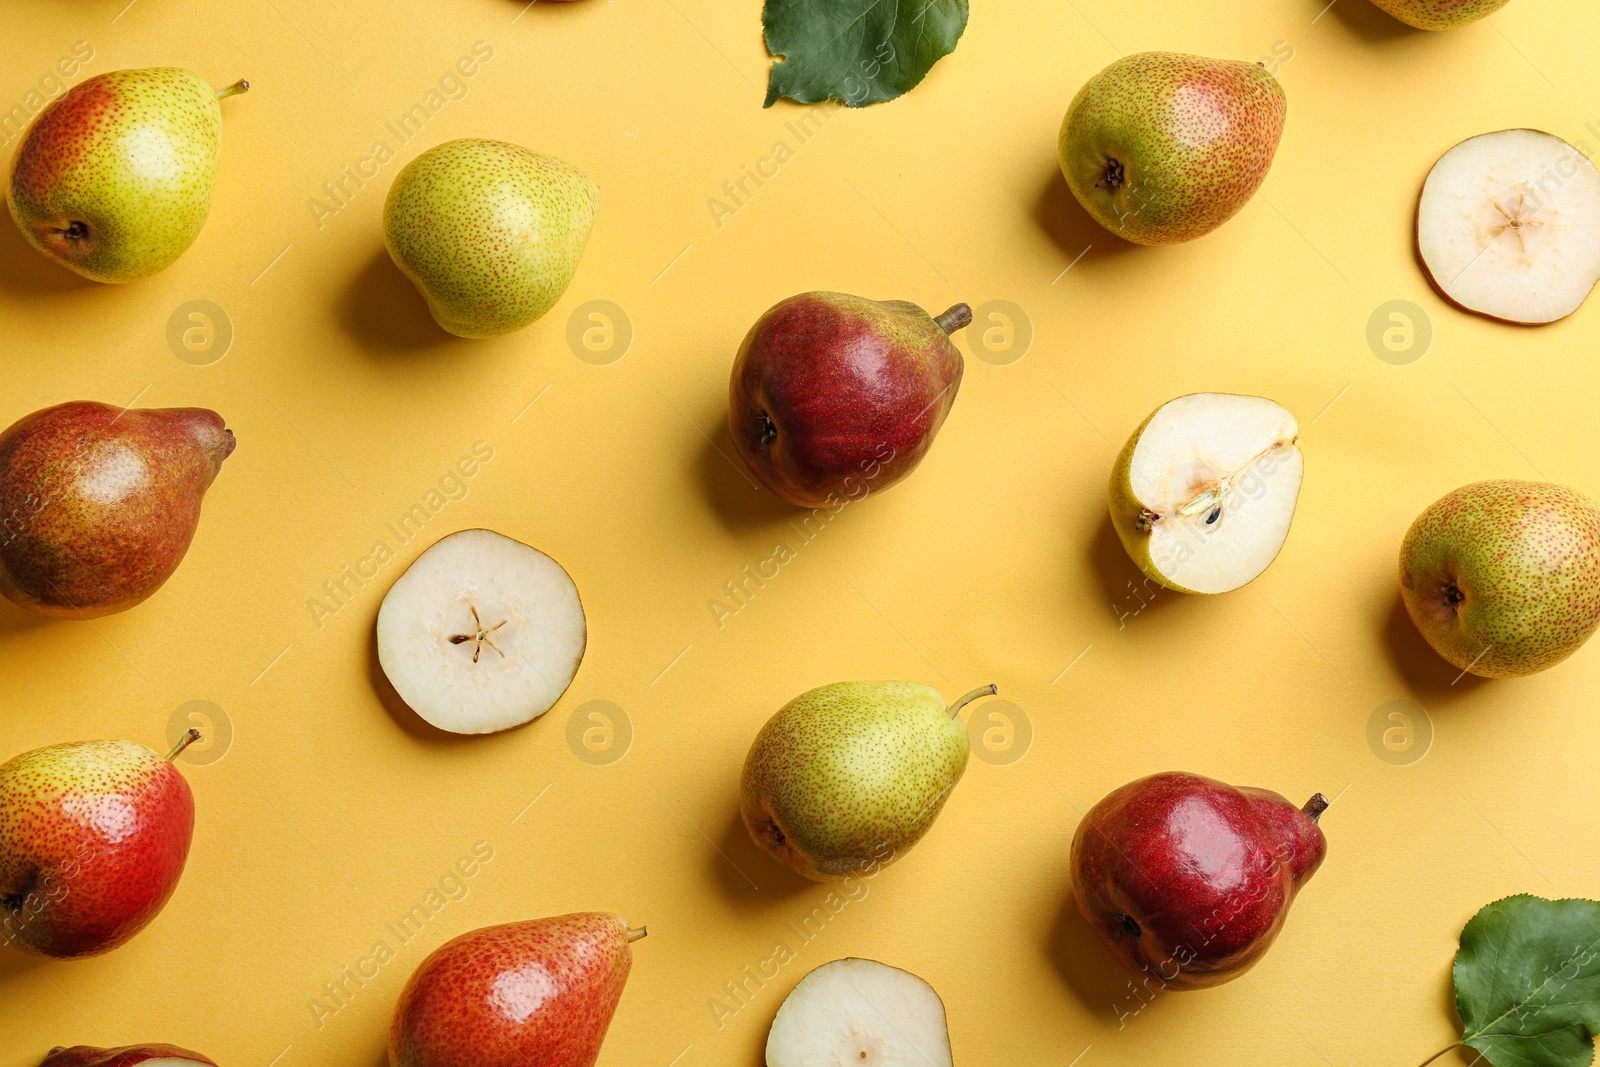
x=1203, y=493
x=481, y=633
x=1508, y=226
x=860, y=1013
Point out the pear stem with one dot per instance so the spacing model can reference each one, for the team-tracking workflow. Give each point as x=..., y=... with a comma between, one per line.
x=189, y=737
x=1441, y=1052
x=635, y=935
x=1315, y=807
x=240, y=86
x=954, y=319
x=982, y=691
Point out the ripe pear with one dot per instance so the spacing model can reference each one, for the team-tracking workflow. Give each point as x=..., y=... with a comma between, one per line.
x=1161, y=147
x=1440, y=14
x=847, y=777
x=835, y=396
x=1503, y=578
x=98, y=504
x=127, y=1056
x=93, y=839
x=526, y=994
x=114, y=179
x=860, y=1013
x=1188, y=880
x=490, y=233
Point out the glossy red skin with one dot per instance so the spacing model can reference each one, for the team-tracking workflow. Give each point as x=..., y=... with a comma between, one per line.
x=856, y=389
x=67, y=552
x=527, y=994
x=84, y=868
x=1206, y=870
x=127, y=1056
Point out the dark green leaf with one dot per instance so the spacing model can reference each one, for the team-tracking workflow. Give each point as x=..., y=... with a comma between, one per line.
x=859, y=51
x=1528, y=982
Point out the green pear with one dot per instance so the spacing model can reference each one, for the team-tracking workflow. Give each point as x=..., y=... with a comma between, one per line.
x=114, y=179
x=490, y=233
x=847, y=777
x=1161, y=147
x=1503, y=578
x=1440, y=14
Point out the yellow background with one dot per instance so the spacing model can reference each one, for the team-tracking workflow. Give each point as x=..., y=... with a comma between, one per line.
x=334, y=810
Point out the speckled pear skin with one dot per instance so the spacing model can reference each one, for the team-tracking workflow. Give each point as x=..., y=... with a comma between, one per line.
x=127, y=1056
x=1503, y=578
x=1440, y=14
x=98, y=504
x=490, y=233
x=130, y=156
x=833, y=396
x=1162, y=147
x=93, y=839
x=527, y=994
x=849, y=776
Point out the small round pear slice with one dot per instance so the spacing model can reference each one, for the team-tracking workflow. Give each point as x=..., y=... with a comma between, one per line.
x=1203, y=493
x=1508, y=226
x=481, y=633
x=860, y=1012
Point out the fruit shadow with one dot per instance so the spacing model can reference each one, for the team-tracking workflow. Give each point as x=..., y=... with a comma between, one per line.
x=1366, y=21
x=1057, y=212
x=26, y=271
x=747, y=877
x=1433, y=680
x=1127, y=589
x=1090, y=971
x=15, y=620
x=737, y=499
x=383, y=311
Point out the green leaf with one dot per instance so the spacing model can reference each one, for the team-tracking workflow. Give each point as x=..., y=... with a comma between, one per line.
x=859, y=51
x=1528, y=982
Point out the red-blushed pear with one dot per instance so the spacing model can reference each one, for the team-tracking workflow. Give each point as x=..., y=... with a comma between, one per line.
x=1188, y=880
x=98, y=504
x=127, y=1056
x=1503, y=578
x=93, y=839
x=835, y=396
x=1440, y=14
x=539, y=993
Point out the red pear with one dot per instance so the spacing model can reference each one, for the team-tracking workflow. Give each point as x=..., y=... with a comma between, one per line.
x=98, y=504
x=127, y=1056
x=1188, y=880
x=526, y=994
x=835, y=396
x=93, y=839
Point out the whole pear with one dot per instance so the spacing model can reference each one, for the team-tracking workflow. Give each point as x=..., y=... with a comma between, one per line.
x=847, y=777
x=1162, y=147
x=835, y=396
x=489, y=232
x=1503, y=578
x=127, y=1056
x=527, y=994
x=98, y=504
x=114, y=179
x=1440, y=14
x=93, y=839
x=1188, y=880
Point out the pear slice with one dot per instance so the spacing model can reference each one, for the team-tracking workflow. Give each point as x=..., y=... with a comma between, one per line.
x=860, y=1012
x=1508, y=226
x=1203, y=493
x=481, y=633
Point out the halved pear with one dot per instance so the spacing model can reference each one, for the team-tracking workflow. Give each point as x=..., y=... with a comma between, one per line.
x=481, y=633
x=1508, y=226
x=1204, y=491
x=855, y=1011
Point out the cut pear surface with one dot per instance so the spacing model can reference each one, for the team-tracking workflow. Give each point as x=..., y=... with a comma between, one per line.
x=481, y=633
x=860, y=1013
x=1203, y=493
x=1508, y=226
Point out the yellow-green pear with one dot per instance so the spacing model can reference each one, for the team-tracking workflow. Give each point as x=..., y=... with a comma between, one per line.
x=1440, y=14
x=1203, y=493
x=489, y=232
x=114, y=179
x=847, y=777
